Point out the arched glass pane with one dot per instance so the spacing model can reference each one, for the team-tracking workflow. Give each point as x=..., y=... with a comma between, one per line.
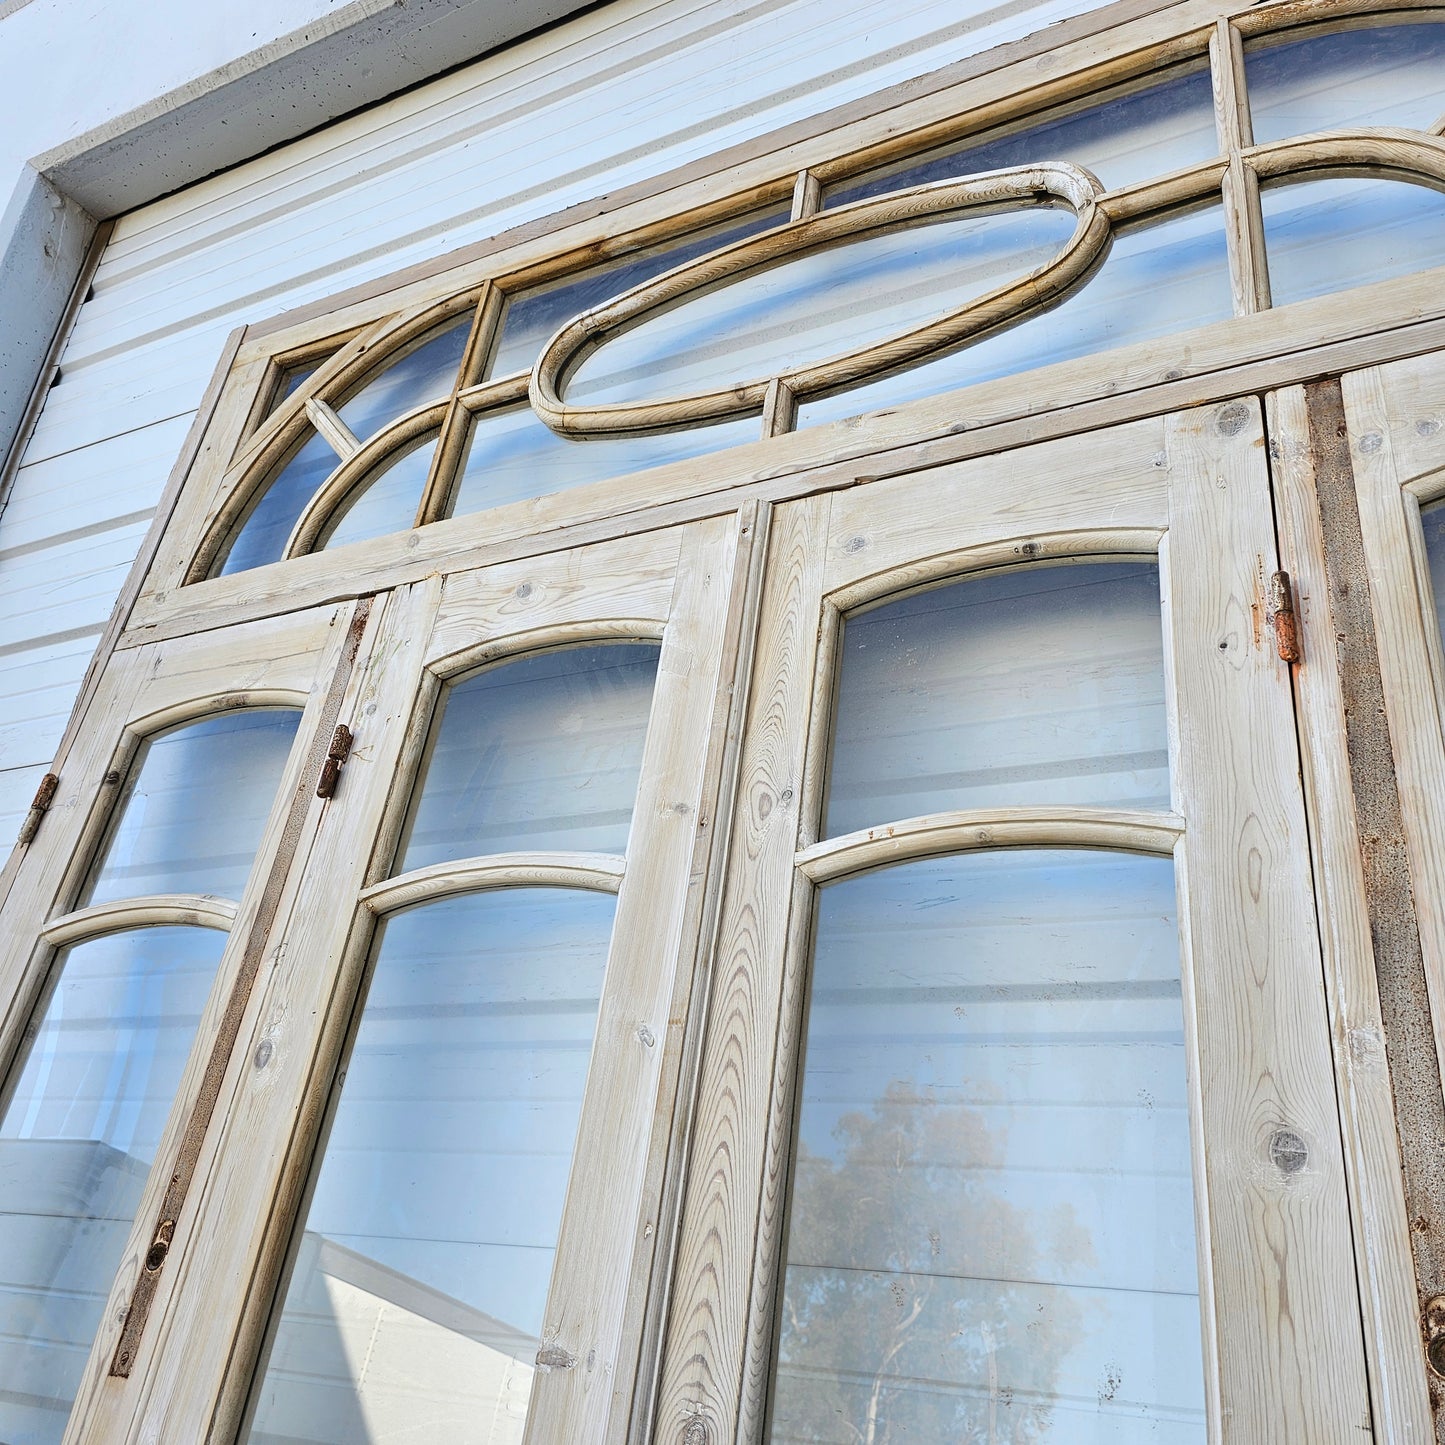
x=1035, y=686
x=540, y=753
x=262, y=536
x=1323, y=236
x=1125, y=139
x=1157, y=281
x=194, y=807
x=991, y=1233
x=426, y=374
x=832, y=301
x=1388, y=75
x=512, y=456
x=76, y=1143
x=534, y=316
x=432, y=1230
x=386, y=502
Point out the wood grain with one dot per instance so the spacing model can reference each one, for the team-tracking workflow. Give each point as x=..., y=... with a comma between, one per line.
x=1290, y=1352
x=962, y=831
x=1399, y=1399
x=706, y=1335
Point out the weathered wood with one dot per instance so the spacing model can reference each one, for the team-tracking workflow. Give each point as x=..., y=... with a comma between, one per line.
x=1243, y=219
x=706, y=1335
x=1068, y=59
x=207, y=1317
x=672, y=1134
x=1012, y=189
x=153, y=911
x=1384, y=321
x=964, y=831
x=1399, y=1398
x=223, y=1039
x=626, y=590
x=342, y=439
x=1285, y=1308
x=392, y=441
x=597, y=871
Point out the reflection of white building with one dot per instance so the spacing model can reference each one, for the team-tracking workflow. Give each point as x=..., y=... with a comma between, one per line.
x=425, y=1365
x=206, y=212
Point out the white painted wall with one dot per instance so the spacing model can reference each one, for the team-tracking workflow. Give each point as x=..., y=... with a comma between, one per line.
x=68, y=66
x=610, y=97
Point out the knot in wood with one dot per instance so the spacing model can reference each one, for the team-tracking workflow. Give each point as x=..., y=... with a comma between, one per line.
x=1232, y=419
x=694, y=1433
x=1289, y=1152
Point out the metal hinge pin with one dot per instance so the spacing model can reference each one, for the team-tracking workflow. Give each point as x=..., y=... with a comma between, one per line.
x=1282, y=615
x=44, y=796
x=336, y=756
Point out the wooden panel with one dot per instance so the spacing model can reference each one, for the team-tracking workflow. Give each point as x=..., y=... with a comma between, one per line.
x=617, y=582
x=1057, y=498
x=727, y=1184
x=1372, y=1154
x=1291, y=1355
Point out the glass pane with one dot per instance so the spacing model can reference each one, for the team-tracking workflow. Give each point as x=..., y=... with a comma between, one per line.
x=540, y=753
x=1125, y=139
x=76, y=1143
x=1434, y=519
x=385, y=503
x=195, y=805
x=992, y=1227
x=1041, y=685
x=514, y=457
x=426, y=374
x=415, y=1308
x=535, y=316
x=291, y=378
x=819, y=305
x=262, y=536
x=1157, y=281
x=1325, y=236
x=1390, y=75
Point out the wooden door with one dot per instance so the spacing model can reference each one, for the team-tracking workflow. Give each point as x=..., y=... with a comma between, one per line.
x=1283, y=1355
x=431, y=1346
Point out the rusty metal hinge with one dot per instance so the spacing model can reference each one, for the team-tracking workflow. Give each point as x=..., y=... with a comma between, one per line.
x=1282, y=615
x=336, y=756
x=44, y=796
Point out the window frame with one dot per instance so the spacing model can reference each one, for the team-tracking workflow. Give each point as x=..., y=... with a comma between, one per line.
x=170, y=609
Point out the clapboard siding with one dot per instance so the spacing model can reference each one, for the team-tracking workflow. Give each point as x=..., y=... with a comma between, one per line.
x=611, y=98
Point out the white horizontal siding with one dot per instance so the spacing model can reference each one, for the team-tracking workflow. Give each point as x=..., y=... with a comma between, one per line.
x=611, y=98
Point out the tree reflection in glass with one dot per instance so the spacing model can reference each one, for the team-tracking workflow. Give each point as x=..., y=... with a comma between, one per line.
x=991, y=1232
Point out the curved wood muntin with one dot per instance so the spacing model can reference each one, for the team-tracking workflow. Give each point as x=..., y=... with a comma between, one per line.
x=1051, y=184
x=599, y=872
x=971, y=830
x=198, y=910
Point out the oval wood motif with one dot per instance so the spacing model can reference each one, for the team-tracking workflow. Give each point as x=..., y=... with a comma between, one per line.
x=1047, y=184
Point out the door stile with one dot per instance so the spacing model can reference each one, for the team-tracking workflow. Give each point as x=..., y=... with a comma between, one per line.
x=1290, y=1355
x=728, y=1182
x=1387, y=1288
x=610, y=1222
x=673, y=1131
